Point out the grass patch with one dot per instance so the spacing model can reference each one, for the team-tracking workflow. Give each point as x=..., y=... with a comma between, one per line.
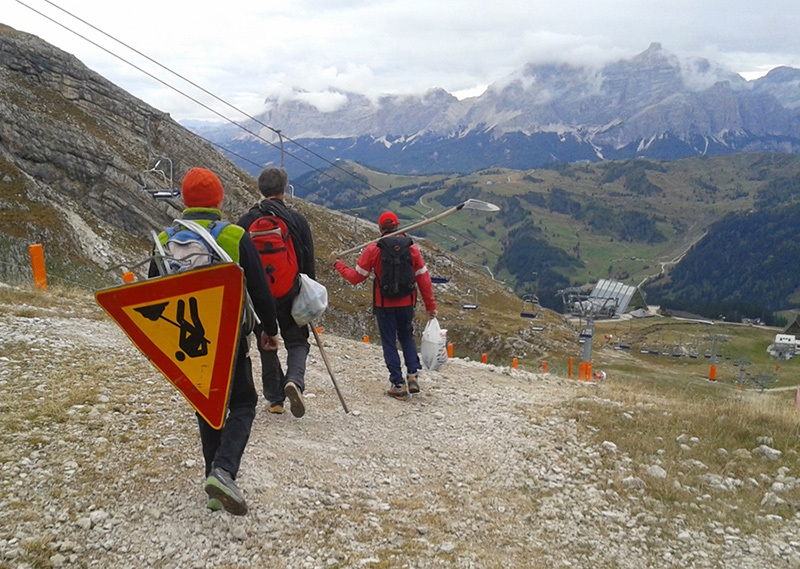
x=706, y=445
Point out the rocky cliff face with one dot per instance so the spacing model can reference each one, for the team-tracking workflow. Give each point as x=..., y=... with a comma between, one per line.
x=75, y=151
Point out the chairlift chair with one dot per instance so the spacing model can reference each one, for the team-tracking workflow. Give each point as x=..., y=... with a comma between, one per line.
x=529, y=304
x=466, y=305
x=441, y=276
x=164, y=173
x=165, y=194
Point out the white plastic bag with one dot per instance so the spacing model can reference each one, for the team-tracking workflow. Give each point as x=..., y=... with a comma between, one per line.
x=311, y=301
x=434, y=345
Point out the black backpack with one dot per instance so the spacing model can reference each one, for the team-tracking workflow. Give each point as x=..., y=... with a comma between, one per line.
x=397, y=269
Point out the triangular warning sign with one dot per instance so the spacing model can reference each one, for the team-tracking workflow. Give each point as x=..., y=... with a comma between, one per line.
x=188, y=326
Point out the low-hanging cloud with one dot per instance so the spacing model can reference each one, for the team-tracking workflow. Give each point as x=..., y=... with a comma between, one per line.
x=246, y=48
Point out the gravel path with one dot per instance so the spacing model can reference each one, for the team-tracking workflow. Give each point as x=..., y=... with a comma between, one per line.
x=100, y=466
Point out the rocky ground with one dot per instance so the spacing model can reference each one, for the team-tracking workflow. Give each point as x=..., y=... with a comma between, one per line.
x=100, y=466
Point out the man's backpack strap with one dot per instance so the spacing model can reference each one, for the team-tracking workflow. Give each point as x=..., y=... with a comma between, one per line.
x=272, y=207
x=207, y=236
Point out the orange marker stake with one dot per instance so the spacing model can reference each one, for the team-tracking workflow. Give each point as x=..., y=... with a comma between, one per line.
x=37, y=263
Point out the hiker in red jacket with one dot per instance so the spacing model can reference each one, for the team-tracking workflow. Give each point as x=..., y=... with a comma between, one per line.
x=395, y=316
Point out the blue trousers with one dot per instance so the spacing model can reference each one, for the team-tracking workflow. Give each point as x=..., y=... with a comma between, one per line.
x=397, y=325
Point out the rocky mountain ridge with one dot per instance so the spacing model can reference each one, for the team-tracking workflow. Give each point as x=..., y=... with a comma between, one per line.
x=654, y=105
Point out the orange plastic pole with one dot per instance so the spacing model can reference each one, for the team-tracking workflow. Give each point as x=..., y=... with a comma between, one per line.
x=450, y=350
x=570, y=368
x=712, y=374
x=581, y=370
x=37, y=263
x=515, y=363
x=544, y=367
x=484, y=359
x=128, y=277
x=588, y=371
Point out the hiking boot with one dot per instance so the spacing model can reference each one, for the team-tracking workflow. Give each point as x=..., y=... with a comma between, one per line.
x=220, y=486
x=398, y=391
x=413, y=386
x=276, y=408
x=214, y=505
x=298, y=407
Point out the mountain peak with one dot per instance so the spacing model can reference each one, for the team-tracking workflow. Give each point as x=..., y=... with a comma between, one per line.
x=564, y=112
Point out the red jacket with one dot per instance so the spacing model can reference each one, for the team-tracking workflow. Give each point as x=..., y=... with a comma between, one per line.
x=370, y=261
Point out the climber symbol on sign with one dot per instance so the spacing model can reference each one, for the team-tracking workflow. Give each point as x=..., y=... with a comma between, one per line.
x=192, y=340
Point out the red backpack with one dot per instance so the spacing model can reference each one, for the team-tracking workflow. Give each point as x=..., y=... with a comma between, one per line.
x=276, y=248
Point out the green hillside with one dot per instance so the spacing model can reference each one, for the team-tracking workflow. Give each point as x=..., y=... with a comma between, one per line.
x=573, y=224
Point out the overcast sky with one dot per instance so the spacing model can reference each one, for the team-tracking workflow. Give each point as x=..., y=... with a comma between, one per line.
x=244, y=50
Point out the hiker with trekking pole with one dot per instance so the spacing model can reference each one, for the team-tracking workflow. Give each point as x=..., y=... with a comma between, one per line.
x=400, y=273
x=284, y=242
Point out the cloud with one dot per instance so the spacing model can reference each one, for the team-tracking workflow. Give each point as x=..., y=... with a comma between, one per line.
x=248, y=50
x=325, y=102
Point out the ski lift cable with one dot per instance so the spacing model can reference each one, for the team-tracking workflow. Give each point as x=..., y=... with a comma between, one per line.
x=204, y=90
x=163, y=82
x=281, y=137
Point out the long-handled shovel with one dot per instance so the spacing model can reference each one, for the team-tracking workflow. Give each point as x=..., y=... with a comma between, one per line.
x=328, y=365
x=469, y=204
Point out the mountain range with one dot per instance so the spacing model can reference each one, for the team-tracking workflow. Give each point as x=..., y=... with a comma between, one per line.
x=653, y=105
x=81, y=161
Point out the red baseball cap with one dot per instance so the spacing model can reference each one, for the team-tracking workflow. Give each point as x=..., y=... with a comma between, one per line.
x=388, y=219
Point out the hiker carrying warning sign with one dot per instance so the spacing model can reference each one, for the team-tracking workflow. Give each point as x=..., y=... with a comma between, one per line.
x=286, y=247
x=394, y=300
x=202, y=193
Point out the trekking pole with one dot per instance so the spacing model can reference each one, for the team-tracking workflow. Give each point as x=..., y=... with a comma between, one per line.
x=328, y=365
x=469, y=204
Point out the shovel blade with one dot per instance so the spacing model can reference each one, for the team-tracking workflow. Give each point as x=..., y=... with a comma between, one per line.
x=478, y=205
